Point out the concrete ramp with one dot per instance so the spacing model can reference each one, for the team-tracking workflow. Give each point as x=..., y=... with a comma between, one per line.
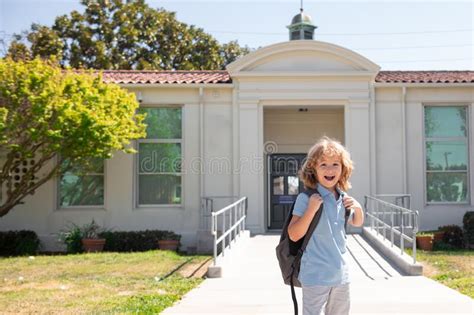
x=252, y=284
x=366, y=262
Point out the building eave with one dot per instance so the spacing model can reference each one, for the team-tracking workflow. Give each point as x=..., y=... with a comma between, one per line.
x=422, y=85
x=178, y=85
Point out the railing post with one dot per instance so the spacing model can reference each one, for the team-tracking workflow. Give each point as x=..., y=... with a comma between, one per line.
x=230, y=225
x=214, y=231
x=383, y=219
x=245, y=211
x=378, y=219
x=371, y=216
x=223, y=232
x=234, y=215
x=391, y=227
x=239, y=210
x=402, y=239
x=414, y=231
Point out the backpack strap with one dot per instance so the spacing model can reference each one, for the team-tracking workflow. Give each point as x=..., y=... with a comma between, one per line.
x=311, y=228
x=313, y=223
x=293, y=296
x=346, y=218
x=306, y=238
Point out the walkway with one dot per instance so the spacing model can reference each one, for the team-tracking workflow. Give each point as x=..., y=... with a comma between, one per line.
x=252, y=285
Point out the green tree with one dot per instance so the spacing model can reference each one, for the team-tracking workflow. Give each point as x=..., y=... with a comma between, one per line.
x=113, y=34
x=52, y=120
x=18, y=51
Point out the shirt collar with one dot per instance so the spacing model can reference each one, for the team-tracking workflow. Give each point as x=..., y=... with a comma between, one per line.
x=323, y=191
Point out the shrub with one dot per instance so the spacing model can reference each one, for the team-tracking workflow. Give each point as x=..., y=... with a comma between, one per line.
x=115, y=241
x=72, y=236
x=169, y=235
x=440, y=245
x=135, y=241
x=15, y=243
x=468, y=228
x=453, y=235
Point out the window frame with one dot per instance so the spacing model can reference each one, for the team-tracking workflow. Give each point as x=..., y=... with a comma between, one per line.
x=81, y=207
x=467, y=139
x=136, y=170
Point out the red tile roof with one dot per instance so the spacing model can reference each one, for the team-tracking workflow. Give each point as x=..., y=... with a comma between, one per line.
x=222, y=76
x=165, y=77
x=425, y=77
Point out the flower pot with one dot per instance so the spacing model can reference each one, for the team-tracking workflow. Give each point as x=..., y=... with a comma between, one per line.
x=424, y=242
x=92, y=245
x=168, y=244
x=438, y=236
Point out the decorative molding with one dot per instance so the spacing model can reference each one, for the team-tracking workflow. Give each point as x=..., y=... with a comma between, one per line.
x=303, y=45
x=304, y=102
x=299, y=74
x=177, y=85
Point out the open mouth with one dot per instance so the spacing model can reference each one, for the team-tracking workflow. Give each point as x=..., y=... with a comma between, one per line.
x=329, y=178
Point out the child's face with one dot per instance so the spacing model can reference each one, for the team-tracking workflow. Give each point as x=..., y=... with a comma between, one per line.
x=328, y=171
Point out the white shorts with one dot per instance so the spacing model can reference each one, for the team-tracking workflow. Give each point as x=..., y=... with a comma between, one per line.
x=326, y=300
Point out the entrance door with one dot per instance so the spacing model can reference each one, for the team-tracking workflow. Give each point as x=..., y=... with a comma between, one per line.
x=283, y=185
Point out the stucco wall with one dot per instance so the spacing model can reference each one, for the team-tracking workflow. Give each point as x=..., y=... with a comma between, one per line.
x=40, y=213
x=390, y=146
x=294, y=131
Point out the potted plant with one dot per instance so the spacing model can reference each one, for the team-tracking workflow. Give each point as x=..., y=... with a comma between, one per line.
x=169, y=241
x=71, y=236
x=91, y=240
x=424, y=240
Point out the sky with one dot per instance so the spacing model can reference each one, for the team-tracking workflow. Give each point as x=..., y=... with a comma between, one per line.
x=396, y=35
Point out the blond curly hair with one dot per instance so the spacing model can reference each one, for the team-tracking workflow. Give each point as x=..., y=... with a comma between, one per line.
x=326, y=147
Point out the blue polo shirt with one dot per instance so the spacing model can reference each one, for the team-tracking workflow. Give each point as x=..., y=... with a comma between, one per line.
x=325, y=258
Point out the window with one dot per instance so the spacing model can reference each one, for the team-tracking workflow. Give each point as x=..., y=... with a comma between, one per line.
x=82, y=187
x=295, y=35
x=446, y=150
x=308, y=34
x=159, y=157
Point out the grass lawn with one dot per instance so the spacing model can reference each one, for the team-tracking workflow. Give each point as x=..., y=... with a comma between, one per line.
x=454, y=269
x=107, y=283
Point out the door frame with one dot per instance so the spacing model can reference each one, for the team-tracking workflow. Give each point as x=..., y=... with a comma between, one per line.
x=269, y=184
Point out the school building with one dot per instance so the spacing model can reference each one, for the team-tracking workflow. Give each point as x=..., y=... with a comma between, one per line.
x=215, y=136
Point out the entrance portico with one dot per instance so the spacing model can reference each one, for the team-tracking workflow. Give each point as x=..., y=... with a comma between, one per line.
x=317, y=78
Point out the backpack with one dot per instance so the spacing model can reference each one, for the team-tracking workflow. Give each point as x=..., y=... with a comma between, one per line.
x=289, y=253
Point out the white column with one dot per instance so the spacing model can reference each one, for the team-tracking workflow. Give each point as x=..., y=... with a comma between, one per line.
x=251, y=162
x=357, y=127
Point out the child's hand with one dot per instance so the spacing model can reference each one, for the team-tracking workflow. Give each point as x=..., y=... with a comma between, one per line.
x=315, y=202
x=350, y=202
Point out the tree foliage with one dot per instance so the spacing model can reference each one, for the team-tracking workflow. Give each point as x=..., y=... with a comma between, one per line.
x=113, y=34
x=61, y=116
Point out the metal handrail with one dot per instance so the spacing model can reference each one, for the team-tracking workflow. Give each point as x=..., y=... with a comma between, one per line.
x=399, y=219
x=207, y=207
x=402, y=200
x=237, y=214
